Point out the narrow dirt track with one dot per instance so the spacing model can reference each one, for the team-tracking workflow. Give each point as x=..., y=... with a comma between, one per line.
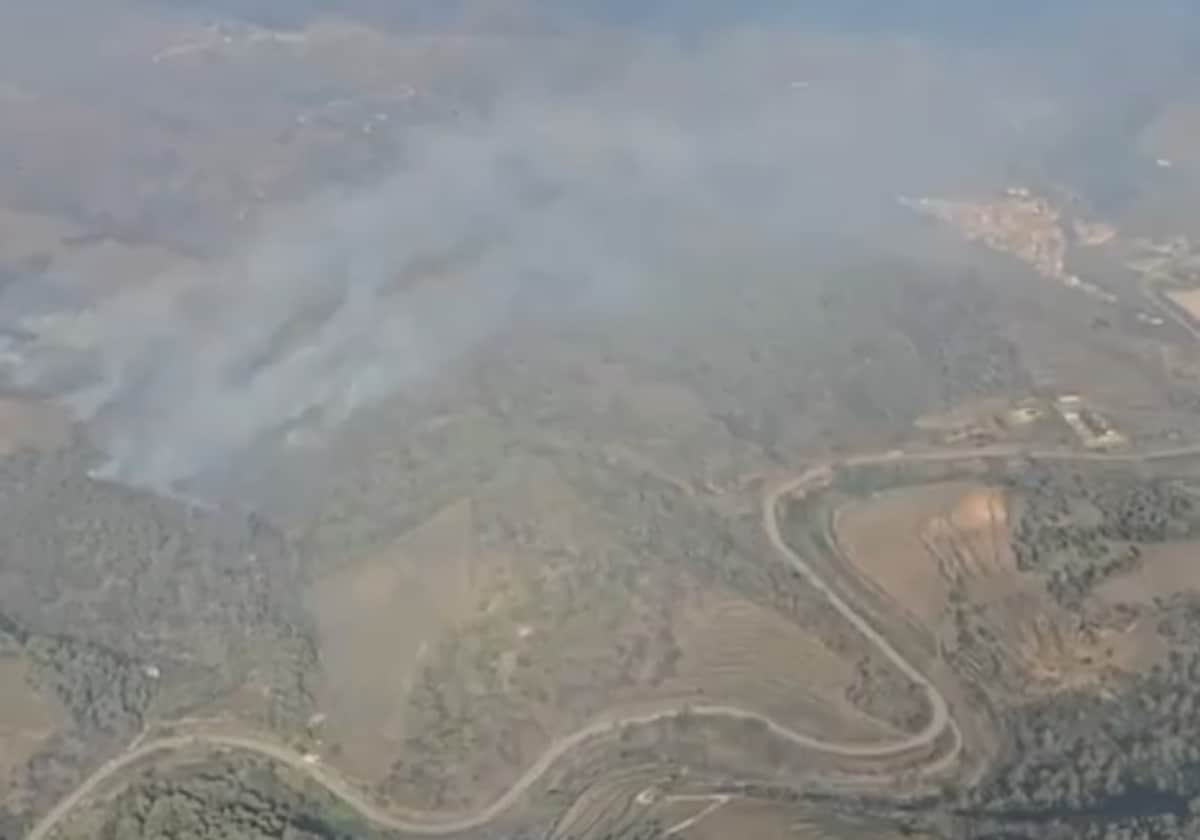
x=438, y=824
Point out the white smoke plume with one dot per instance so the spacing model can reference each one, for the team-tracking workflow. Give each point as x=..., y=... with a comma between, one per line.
x=544, y=205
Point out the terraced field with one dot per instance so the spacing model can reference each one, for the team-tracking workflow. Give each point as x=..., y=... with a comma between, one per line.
x=741, y=652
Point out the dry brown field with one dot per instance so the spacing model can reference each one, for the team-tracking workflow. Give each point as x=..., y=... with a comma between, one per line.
x=740, y=653
x=1189, y=300
x=32, y=424
x=1165, y=570
x=26, y=717
x=884, y=537
x=455, y=649
x=922, y=545
x=377, y=618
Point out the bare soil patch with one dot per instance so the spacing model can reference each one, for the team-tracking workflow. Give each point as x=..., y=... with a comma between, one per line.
x=26, y=717
x=1165, y=569
x=944, y=553
x=32, y=424
x=569, y=626
x=739, y=818
x=738, y=652
x=378, y=617
x=883, y=536
x=1189, y=300
x=777, y=821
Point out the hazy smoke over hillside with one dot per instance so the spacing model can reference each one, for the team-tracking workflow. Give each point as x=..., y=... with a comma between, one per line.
x=347, y=299
x=549, y=205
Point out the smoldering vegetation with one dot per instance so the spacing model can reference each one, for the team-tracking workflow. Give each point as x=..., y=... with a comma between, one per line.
x=567, y=195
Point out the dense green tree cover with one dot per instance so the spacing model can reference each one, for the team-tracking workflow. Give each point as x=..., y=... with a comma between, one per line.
x=1087, y=765
x=1079, y=530
x=226, y=799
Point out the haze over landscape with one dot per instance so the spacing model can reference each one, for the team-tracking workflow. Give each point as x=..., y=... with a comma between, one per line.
x=599, y=420
x=592, y=186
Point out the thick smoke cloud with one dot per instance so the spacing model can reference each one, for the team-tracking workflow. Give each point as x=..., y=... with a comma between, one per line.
x=546, y=205
x=348, y=299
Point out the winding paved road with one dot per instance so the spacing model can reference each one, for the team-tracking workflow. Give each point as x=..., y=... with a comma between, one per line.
x=435, y=824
